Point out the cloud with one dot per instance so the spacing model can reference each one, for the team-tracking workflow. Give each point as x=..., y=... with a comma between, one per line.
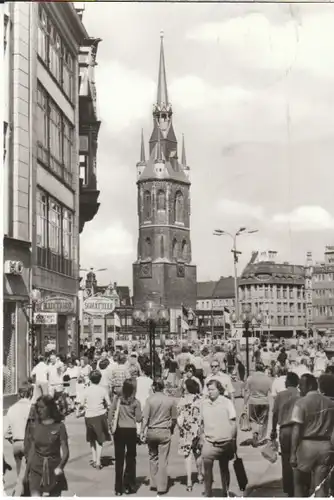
x=193, y=92
x=305, y=42
x=237, y=209
x=113, y=241
x=124, y=95
x=306, y=218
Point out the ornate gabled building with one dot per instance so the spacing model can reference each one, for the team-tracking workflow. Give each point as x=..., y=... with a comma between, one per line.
x=163, y=269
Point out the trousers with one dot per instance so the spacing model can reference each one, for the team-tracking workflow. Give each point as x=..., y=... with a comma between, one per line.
x=125, y=441
x=159, y=441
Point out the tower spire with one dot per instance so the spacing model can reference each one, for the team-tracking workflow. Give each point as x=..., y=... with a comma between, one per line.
x=142, y=148
x=162, y=94
x=183, y=157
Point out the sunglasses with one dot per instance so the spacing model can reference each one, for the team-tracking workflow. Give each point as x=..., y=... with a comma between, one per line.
x=214, y=366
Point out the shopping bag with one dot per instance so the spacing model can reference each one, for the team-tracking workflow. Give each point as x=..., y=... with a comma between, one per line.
x=240, y=473
x=269, y=452
x=244, y=423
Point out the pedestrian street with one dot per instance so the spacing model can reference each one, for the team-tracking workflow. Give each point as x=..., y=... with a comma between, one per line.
x=84, y=481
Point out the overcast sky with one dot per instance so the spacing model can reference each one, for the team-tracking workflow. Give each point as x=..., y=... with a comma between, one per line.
x=252, y=89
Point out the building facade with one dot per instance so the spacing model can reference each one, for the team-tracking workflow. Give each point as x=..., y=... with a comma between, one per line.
x=41, y=180
x=277, y=290
x=215, y=301
x=163, y=270
x=323, y=293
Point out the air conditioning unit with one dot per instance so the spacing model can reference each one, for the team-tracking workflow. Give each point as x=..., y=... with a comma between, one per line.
x=14, y=267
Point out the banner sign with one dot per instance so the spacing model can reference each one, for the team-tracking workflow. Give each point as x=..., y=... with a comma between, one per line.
x=45, y=318
x=98, y=305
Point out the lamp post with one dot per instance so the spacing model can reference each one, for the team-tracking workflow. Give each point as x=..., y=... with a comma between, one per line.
x=152, y=315
x=247, y=320
x=30, y=309
x=242, y=230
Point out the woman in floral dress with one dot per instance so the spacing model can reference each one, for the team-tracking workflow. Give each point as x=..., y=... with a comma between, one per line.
x=189, y=422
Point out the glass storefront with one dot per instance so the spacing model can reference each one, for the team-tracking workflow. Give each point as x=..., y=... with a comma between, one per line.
x=9, y=348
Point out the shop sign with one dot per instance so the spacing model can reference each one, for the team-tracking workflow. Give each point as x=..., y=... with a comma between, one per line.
x=45, y=318
x=61, y=305
x=98, y=305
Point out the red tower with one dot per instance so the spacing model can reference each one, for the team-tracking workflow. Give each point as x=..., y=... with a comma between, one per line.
x=163, y=264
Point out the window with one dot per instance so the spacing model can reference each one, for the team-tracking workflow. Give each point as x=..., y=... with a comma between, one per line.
x=68, y=73
x=179, y=207
x=175, y=250
x=184, y=250
x=54, y=53
x=147, y=248
x=54, y=228
x=147, y=205
x=161, y=200
x=54, y=137
x=67, y=150
x=84, y=169
x=162, y=247
x=67, y=234
x=42, y=125
x=9, y=349
x=43, y=36
x=279, y=293
x=285, y=293
x=42, y=220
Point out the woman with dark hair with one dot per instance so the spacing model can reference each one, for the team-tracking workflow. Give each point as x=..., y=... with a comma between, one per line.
x=189, y=422
x=189, y=373
x=125, y=414
x=48, y=454
x=96, y=403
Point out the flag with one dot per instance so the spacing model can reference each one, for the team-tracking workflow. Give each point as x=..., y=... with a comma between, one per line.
x=184, y=319
x=117, y=321
x=226, y=316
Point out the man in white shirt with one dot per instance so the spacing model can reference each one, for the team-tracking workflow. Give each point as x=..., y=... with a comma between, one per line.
x=218, y=417
x=279, y=382
x=144, y=389
x=40, y=378
x=223, y=378
x=56, y=368
x=17, y=417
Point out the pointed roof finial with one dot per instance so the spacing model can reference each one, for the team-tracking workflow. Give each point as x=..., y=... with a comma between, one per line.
x=183, y=157
x=142, y=147
x=162, y=94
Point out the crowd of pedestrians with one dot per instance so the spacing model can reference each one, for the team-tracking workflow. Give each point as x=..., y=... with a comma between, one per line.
x=192, y=394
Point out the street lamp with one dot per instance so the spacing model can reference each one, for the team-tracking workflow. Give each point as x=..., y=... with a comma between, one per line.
x=242, y=230
x=30, y=309
x=247, y=320
x=152, y=315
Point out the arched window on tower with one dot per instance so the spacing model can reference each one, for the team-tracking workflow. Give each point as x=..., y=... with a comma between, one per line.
x=147, y=205
x=161, y=200
x=162, y=247
x=184, y=250
x=148, y=248
x=179, y=207
x=175, y=249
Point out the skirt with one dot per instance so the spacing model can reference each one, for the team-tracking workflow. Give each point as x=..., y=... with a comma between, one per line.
x=97, y=429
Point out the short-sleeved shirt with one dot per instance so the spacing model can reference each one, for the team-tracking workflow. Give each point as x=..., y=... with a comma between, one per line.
x=217, y=419
x=315, y=412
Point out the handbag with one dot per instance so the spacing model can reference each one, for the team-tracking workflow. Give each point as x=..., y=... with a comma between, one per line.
x=114, y=418
x=269, y=452
x=244, y=423
x=240, y=473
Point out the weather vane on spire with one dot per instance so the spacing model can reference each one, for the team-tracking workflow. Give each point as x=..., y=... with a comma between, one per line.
x=162, y=33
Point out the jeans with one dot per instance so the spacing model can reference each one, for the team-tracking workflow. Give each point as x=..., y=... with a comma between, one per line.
x=125, y=440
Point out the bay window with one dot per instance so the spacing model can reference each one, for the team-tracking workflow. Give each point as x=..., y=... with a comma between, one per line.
x=54, y=228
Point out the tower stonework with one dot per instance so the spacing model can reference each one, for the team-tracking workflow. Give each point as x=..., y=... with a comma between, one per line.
x=163, y=268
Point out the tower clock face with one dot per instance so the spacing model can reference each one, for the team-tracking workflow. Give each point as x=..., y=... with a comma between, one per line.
x=146, y=270
x=180, y=271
